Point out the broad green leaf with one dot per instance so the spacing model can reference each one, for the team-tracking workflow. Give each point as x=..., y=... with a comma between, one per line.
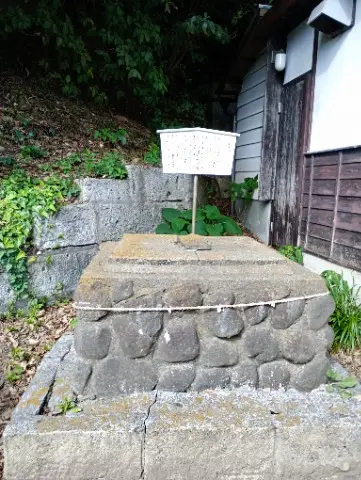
x=170, y=214
x=178, y=224
x=334, y=376
x=75, y=410
x=230, y=226
x=212, y=212
x=200, y=228
x=164, y=229
x=215, y=230
x=348, y=382
x=187, y=215
x=346, y=394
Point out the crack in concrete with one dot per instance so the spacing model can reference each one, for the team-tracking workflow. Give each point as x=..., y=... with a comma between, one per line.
x=47, y=397
x=143, y=443
x=274, y=430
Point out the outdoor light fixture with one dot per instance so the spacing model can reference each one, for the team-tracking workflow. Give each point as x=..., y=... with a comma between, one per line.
x=279, y=59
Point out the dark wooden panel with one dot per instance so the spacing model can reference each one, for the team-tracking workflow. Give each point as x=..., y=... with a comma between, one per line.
x=306, y=186
x=307, y=174
x=350, y=239
x=308, y=161
x=348, y=221
x=303, y=228
x=351, y=170
x=270, y=129
x=320, y=231
x=351, y=156
x=325, y=172
x=350, y=188
x=304, y=213
x=323, y=202
x=305, y=199
x=324, y=187
x=347, y=256
x=318, y=246
x=289, y=166
x=326, y=159
x=350, y=205
x=321, y=217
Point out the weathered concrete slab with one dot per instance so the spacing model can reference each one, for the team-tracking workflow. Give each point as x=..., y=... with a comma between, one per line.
x=242, y=434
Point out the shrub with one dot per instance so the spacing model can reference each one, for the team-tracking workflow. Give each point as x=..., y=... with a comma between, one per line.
x=110, y=135
x=346, y=319
x=152, y=155
x=22, y=199
x=209, y=221
x=32, y=151
x=245, y=190
x=293, y=253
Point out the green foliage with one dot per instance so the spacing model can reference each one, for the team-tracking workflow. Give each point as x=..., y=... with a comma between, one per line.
x=293, y=253
x=23, y=200
x=153, y=52
x=7, y=161
x=14, y=373
x=152, y=155
x=346, y=319
x=68, y=406
x=245, y=190
x=32, y=151
x=340, y=384
x=73, y=322
x=17, y=353
x=90, y=164
x=110, y=135
x=209, y=221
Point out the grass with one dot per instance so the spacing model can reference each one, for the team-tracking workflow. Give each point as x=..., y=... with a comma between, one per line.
x=346, y=319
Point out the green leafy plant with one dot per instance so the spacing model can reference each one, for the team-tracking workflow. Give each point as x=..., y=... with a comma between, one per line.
x=73, y=322
x=7, y=161
x=209, y=221
x=14, y=373
x=17, y=353
x=340, y=384
x=22, y=200
x=245, y=190
x=152, y=155
x=346, y=319
x=68, y=406
x=111, y=135
x=32, y=151
x=292, y=253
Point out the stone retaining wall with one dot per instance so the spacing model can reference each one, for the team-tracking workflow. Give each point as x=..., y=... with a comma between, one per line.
x=65, y=243
x=262, y=346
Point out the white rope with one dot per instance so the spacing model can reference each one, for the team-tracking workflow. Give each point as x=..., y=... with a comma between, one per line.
x=85, y=306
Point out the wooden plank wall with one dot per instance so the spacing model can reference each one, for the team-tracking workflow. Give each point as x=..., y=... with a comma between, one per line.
x=250, y=110
x=331, y=207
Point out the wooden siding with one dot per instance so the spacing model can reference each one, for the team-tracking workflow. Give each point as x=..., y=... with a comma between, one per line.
x=288, y=176
x=250, y=111
x=330, y=224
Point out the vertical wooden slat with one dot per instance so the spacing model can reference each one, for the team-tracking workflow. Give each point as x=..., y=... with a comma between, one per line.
x=309, y=202
x=336, y=202
x=270, y=128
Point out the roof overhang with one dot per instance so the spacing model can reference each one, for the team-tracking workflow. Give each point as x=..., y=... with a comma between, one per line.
x=283, y=17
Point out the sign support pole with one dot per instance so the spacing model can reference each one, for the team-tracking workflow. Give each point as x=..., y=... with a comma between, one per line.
x=194, y=209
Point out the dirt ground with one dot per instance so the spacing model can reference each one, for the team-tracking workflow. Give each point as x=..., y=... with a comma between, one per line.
x=32, y=114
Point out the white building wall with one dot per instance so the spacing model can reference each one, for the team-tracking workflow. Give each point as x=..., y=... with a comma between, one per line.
x=337, y=98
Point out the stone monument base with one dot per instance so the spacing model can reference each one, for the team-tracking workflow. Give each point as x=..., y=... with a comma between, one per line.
x=184, y=344
x=244, y=434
